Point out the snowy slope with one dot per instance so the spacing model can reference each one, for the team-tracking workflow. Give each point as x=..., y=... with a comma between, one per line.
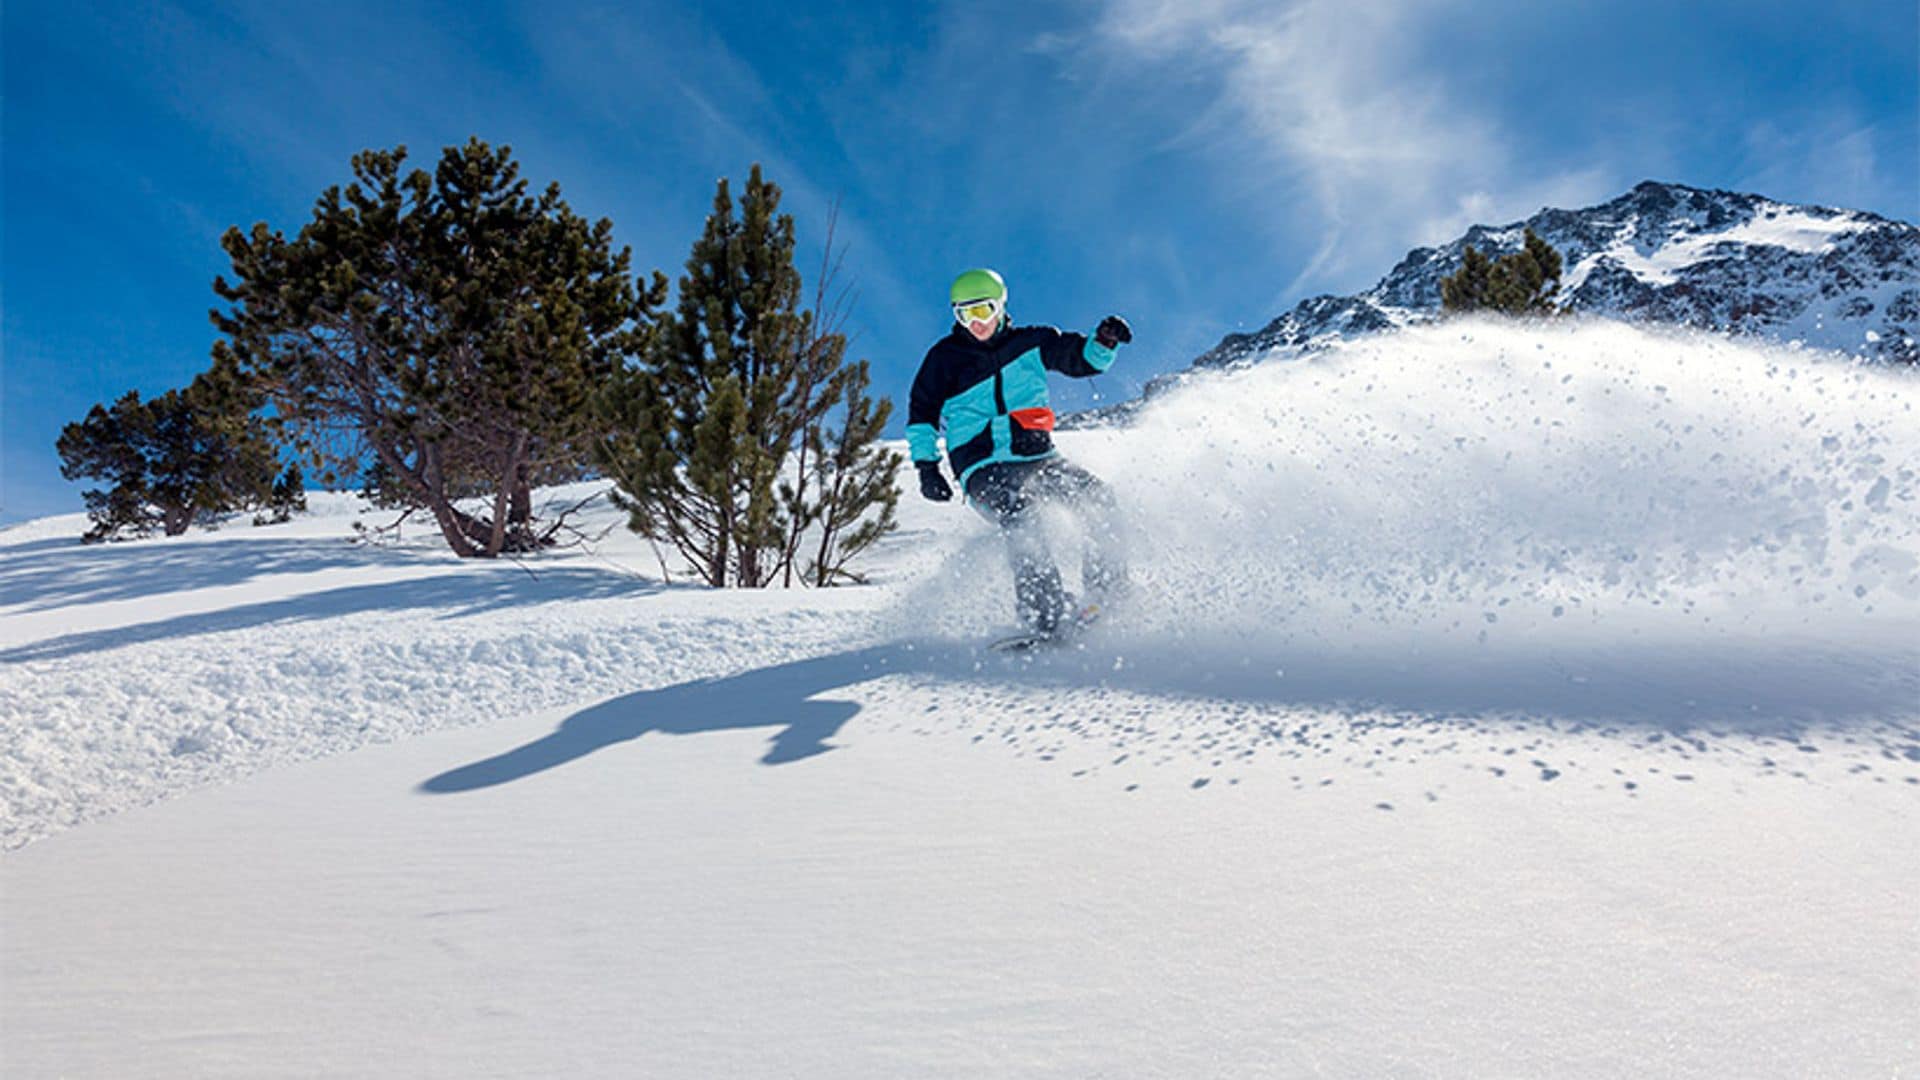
x=1550, y=707
x=130, y=671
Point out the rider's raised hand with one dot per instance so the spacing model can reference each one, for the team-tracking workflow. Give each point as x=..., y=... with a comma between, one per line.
x=1113, y=331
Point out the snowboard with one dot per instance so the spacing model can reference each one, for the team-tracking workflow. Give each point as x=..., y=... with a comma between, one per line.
x=1032, y=640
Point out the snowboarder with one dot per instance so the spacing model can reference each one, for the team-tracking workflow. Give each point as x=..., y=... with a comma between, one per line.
x=986, y=385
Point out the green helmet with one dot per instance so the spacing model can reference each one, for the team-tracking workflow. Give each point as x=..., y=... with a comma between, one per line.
x=979, y=284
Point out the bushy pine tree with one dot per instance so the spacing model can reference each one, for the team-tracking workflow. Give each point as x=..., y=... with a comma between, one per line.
x=287, y=497
x=718, y=441
x=439, y=333
x=108, y=446
x=1466, y=288
x=172, y=460
x=1521, y=283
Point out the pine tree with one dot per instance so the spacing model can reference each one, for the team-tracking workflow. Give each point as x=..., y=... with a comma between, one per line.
x=287, y=498
x=176, y=459
x=439, y=333
x=1466, y=290
x=105, y=446
x=1521, y=283
x=716, y=441
x=855, y=479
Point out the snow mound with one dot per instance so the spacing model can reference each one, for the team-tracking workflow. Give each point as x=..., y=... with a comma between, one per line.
x=1582, y=518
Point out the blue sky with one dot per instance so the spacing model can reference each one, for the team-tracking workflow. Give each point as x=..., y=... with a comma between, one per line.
x=1197, y=165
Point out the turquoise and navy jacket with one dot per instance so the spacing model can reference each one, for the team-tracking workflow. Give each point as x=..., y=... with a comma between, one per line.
x=991, y=396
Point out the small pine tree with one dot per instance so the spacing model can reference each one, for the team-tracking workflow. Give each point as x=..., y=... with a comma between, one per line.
x=288, y=497
x=1521, y=283
x=855, y=477
x=176, y=459
x=716, y=441
x=105, y=446
x=1466, y=290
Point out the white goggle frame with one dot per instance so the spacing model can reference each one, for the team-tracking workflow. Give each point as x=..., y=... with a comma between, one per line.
x=994, y=308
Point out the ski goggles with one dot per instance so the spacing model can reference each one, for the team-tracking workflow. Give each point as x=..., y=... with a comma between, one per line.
x=974, y=311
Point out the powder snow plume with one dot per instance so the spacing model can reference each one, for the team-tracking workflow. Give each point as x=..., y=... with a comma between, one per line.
x=1580, y=518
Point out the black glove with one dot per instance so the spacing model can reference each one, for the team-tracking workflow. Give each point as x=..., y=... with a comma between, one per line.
x=1113, y=331
x=932, y=485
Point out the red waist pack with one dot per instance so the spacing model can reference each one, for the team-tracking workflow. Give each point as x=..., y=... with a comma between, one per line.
x=1033, y=419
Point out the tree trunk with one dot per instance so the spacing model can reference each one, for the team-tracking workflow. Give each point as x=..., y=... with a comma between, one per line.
x=431, y=491
x=717, y=570
x=502, y=500
x=830, y=524
x=521, y=512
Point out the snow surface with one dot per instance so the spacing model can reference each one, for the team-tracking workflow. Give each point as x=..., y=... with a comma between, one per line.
x=1494, y=701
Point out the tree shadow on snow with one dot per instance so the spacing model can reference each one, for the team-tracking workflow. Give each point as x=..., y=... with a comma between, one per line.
x=45, y=575
x=779, y=697
x=463, y=590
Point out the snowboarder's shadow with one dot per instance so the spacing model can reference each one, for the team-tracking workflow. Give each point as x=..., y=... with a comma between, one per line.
x=779, y=697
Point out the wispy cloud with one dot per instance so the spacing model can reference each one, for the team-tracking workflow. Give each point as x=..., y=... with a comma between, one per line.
x=1830, y=157
x=718, y=115
x=1339, y=103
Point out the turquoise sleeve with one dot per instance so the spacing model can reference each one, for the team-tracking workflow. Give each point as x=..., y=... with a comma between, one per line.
x=1098, y=356
x=923, y=442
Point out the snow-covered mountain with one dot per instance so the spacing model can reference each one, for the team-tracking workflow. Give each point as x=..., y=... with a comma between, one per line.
x=1843, y=280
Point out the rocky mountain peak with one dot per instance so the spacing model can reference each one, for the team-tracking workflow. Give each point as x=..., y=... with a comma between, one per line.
x=1844, y=280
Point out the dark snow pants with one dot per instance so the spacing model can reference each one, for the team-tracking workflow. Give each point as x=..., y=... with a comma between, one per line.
x=1012, y=494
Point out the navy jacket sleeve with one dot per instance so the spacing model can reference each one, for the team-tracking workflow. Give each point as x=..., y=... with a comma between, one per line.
x=923, y=412
x=1072, y=354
